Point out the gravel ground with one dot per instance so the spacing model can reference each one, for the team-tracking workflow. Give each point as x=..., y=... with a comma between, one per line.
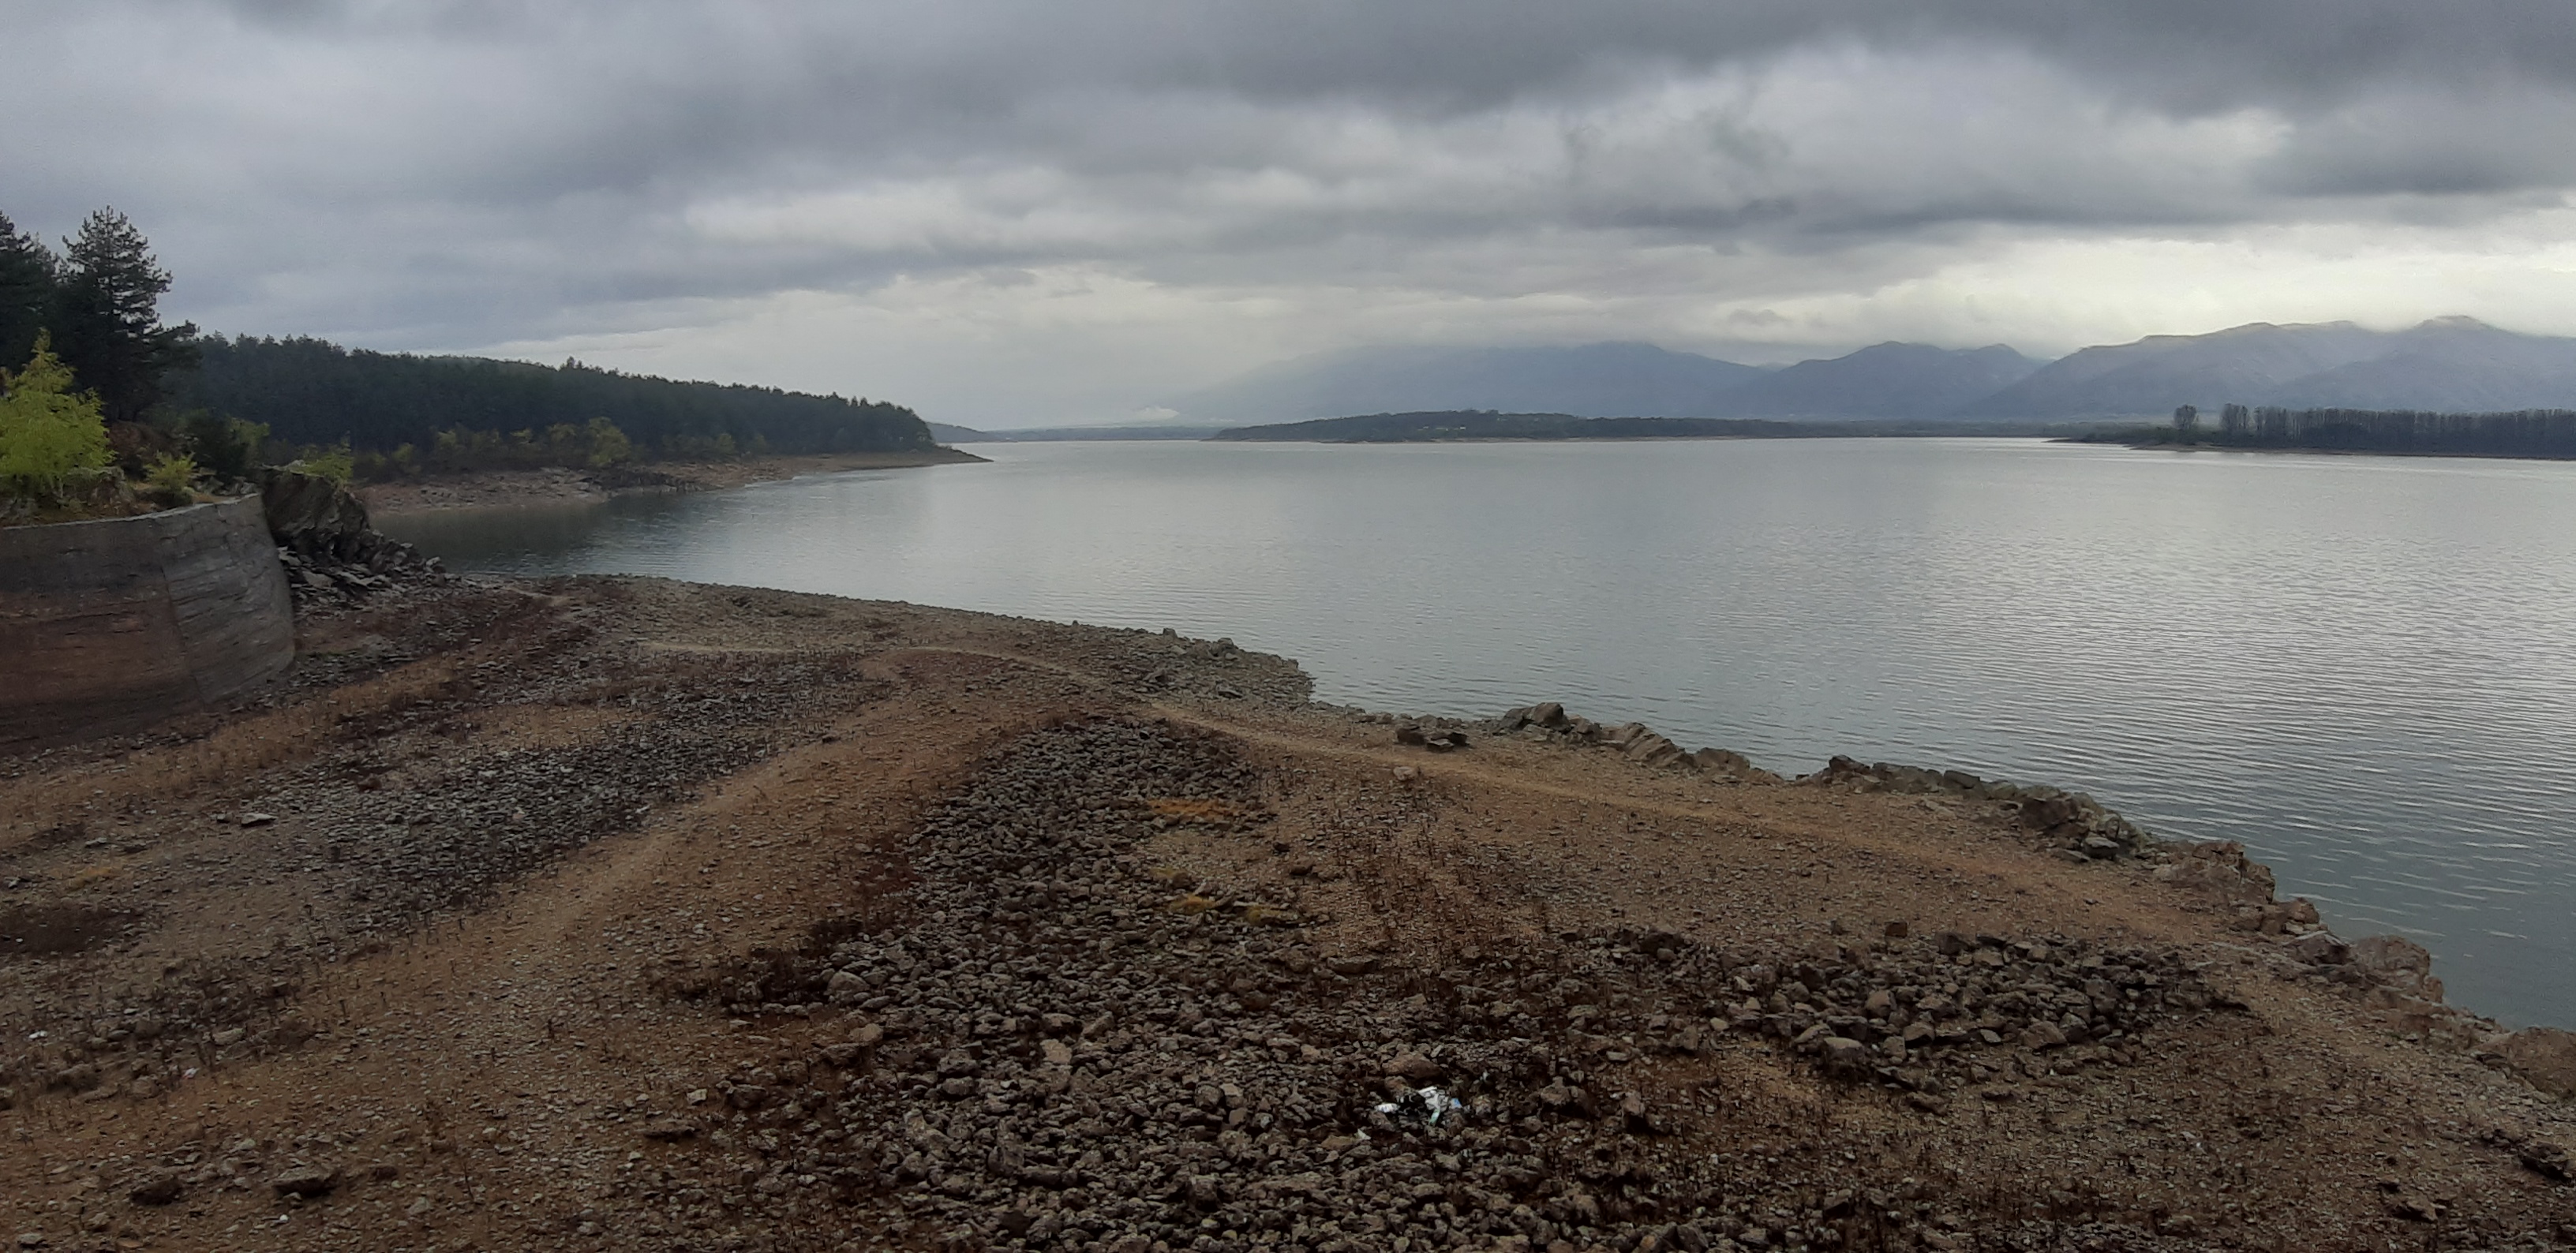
x=626, y=914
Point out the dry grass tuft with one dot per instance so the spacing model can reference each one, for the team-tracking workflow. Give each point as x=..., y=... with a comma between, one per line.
x=1194, y=809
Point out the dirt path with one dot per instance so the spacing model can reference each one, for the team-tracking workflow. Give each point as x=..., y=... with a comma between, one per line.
x=628, y=914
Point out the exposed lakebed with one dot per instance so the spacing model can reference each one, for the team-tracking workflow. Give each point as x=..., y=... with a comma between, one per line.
x=2356, y=665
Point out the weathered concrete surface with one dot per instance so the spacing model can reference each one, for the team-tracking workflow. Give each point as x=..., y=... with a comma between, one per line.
x=109, y=626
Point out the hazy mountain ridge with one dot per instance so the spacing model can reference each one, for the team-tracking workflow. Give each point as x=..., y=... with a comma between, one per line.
x=1605, y=380
x=2152, y=375
x=1890, y=380
x=2450, y=364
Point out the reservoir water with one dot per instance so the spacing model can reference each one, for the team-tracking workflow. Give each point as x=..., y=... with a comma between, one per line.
x=2361, y=667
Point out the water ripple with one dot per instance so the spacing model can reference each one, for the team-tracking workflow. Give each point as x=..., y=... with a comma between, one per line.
x=2355, y=665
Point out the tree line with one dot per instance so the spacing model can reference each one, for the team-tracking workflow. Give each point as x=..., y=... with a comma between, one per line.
x=98, y=394
x=413, y=413
x=97, y=305
x=2545, y=433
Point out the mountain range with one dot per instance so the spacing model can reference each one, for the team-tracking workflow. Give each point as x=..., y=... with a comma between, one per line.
x=2452, y=364
x=1607, y=380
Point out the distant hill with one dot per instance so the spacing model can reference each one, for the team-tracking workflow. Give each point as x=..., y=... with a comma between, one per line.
x=308, y=391
x=2159, y=372
x=1408, y=428
x=2451, y=364
x=1890, y=380
x=1594, y=380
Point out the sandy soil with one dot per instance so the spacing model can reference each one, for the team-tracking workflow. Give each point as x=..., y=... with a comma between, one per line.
x=563, y=486
x=611, y=914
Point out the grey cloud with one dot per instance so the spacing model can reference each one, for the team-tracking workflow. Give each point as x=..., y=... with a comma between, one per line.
x=2479, y=139
x=442, y=174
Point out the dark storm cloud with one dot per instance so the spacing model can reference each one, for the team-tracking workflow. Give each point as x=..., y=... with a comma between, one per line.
x=436, y=175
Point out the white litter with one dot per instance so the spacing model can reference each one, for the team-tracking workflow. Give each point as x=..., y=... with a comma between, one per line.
x=1429, y=1107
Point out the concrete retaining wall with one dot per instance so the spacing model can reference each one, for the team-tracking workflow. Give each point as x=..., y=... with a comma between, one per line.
x=112, y=625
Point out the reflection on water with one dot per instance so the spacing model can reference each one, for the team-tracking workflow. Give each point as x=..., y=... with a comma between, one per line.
x=2356, y=665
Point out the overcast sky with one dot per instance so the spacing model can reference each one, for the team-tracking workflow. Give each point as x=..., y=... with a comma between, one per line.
x=1023, y=213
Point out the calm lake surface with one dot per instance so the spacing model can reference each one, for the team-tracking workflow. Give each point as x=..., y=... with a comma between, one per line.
x=2361, y=667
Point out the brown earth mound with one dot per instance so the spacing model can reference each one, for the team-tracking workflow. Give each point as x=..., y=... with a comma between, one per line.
x=621, y=914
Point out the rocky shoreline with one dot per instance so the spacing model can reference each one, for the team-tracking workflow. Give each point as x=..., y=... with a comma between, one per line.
x=615, y=913
x=505, y=489
x=2388, y=972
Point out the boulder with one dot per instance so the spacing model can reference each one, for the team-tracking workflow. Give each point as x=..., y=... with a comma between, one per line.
x=1650, y=749
x=1415, y=1068
x=1843, y=1053
x=2397, y=962
x=324, y=538
x=2321, y=949
x=309, y=513
x=2043, y=1035
x=2220, y=869
x=306, y=1181
x=2544, y=1057
x=1720, y=761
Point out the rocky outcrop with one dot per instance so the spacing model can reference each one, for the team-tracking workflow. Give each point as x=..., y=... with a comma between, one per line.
x=2220, y=871
x=1634, y=741
x=326, y=544
x=2073, y=824
x=2390, y=975
x=2545, y=1058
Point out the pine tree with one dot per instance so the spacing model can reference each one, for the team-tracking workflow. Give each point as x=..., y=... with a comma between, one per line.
x=108, y=322
x=27, y=269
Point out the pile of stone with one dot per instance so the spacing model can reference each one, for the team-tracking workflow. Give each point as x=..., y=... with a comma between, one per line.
x=1935, y=1016
x=324, y=540
x=1634, y=741
x=1217, y=668
x=2073, y=824
x=1051, y=1049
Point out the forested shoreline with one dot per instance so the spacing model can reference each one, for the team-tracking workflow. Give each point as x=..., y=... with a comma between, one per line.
x=105, y=409
x=398, y=413
x=2535, y=433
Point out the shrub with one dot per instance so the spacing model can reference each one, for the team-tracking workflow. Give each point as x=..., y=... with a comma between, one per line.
x=49, y=435
x=608, y=445
x=227, y=448
x=334, y=464
x=172, y=476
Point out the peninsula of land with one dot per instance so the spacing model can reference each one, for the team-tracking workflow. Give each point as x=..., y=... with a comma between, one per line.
x=568, y=485
x=620, y=913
